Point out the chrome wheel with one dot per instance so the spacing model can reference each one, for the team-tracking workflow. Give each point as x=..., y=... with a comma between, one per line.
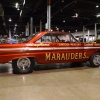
x=23, y=63
x=96, y=59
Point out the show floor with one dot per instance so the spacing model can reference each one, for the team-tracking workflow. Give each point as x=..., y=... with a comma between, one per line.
x=51, y=82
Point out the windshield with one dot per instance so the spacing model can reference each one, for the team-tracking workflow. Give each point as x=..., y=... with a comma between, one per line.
x=30, y=37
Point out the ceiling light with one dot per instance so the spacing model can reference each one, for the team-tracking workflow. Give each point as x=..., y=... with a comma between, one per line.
x=76, y=15
x=97, y=6
x=64, y=21
x=10, y=19
x=62, y=0
x=15, y=24
x=16, y=5
x=76, y=30
x=18, y=9
x=98, y=15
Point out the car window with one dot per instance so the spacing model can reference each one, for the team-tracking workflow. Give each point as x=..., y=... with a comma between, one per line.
x=45, y=39
x=57, y=38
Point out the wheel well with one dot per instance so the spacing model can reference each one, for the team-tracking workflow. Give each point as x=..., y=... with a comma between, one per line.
x=94, y=53
x=21, y=68
x=94, y=60
x=32, y=58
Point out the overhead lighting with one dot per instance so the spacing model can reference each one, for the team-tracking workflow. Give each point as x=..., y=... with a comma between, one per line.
x=16, y=5
x=97, y=6
x=64, y=21
x=98, y=15
x=62, y=0
x=76, y=30
x=18, y=9
x=15, y=24
x=76, y=15
x=10, y=19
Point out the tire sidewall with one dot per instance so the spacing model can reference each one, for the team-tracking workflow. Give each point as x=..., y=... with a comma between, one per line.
x=91, y=60
x=19, y=71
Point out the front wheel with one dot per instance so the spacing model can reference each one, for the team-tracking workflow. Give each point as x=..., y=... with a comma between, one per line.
x=23, y=65
x=95, y=60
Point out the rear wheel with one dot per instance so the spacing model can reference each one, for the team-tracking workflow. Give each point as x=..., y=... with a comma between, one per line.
x=95, y=60
x=23, y=65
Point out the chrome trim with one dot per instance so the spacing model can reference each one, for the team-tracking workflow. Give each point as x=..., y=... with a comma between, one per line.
x=45, y=48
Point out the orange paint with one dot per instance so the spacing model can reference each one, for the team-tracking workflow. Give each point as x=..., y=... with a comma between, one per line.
x=48, y=52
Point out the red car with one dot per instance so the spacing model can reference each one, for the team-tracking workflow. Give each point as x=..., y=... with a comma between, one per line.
x=48, y=47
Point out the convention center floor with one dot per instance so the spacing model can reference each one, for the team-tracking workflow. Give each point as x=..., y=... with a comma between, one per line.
x=51, y=82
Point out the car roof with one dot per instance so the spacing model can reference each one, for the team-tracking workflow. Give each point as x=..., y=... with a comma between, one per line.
x=40, y=34
x=53, y=32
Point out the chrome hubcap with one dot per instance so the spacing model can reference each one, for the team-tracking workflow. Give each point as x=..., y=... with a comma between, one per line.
x=96, y=60
x=23, y=63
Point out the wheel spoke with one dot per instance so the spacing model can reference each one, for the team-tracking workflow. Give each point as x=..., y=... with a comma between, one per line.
x=23, y=63
x=23, y=68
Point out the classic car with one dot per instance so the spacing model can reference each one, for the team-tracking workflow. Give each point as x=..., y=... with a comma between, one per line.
x=48, y=47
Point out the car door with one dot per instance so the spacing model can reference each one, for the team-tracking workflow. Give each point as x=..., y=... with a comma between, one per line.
x=69, y=51
x=42, y=48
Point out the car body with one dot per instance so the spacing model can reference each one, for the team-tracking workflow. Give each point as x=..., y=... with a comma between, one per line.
x=48, y=47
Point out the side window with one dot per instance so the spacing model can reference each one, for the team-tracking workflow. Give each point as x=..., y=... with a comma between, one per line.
x=44, y=39
x=56, y=38
x=72, y=39
x=64, y=38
